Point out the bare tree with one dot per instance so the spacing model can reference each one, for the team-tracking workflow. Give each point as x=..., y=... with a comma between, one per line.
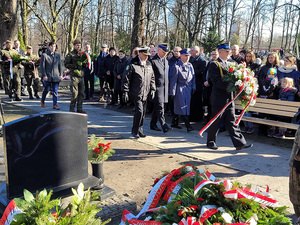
x=55, y=8
x=8, y=20
x=274, y=9
x=25, y=12
x=138, y=38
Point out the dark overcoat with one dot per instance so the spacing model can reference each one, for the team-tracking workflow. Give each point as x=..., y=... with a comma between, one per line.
x=138, y=80
x=119, y=69
x=51, y=66
x=161, y=73
x=182, y=84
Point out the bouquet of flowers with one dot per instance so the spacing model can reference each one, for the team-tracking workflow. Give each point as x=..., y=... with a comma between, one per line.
x=98, y=149
x=241, y=80
x=191, y=196
x=16, y=58
x=86, y=59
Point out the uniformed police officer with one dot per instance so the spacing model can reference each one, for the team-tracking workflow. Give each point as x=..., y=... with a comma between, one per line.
x=77, y=80
x=31, y=74
x=138, y=81
x=12, y=79
x=160, y=67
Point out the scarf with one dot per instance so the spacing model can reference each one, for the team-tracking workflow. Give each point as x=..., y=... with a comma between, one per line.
x=285, y=69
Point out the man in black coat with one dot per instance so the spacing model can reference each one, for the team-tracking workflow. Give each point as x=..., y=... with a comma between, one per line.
x=109, y=63
x=161, y=72
x=138, y=81
x=119, y=69
x=199, y=65
x=219, y=98
x=100, y=71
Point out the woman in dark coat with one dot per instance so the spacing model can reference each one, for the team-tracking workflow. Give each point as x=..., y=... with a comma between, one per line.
x=119, y=68
x=182, y=84
x=268, y=89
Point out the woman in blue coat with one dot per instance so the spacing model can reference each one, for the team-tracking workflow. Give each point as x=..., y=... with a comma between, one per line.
x=182, y=84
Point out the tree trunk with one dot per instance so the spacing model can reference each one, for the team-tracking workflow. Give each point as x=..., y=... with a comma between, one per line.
x=99, y=12
x=8, y=20
x=273, y=22
x=138, y=37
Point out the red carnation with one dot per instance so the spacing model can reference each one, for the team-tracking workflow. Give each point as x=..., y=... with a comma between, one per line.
x=244, y=97
x=179, y=202
x=254, y=97
x=101, y=144
x=231, y=69
x=176, y=172
x=166, y=174
x=247, y=79
x=194, y=207
x=200, y=199
x=39, y=59
x=97, y=150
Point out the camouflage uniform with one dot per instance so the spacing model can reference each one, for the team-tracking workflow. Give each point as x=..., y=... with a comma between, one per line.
x=10, y=84
x=77, y=81
x=29, y=75
x=294, y=181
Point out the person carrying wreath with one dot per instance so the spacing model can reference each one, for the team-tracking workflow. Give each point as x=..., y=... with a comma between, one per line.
x=219, y=98
x=77, y=79
x=31, y=74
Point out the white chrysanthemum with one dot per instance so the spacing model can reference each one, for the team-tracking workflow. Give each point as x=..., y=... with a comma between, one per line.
x=252, y=103
x=239, y=83
x=227, y=217
x=238, y=73
x=248, y=90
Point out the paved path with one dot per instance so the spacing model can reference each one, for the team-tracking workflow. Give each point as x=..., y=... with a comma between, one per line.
x=261, y=165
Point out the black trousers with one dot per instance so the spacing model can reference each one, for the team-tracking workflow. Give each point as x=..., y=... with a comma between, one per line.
x=228, y=118
x=158, y=114
x=89, y=90
x=139, y=115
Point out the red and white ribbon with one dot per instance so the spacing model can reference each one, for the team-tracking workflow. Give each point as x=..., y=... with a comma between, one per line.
x=11, y=210
x=10, y=67
x=88, y=59
x=155, y=194
x=231, y=102
x=34, y=69
x=207, y=211
x=227, y=184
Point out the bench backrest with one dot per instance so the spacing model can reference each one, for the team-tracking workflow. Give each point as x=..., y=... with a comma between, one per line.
x=272, y=107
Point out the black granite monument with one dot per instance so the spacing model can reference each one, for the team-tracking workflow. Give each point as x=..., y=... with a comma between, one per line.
x=47, y=150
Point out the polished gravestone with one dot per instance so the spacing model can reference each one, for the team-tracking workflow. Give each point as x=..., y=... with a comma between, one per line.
x=47, y=150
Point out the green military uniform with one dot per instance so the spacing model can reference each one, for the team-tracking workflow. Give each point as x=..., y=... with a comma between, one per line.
x=294, y=181
x=31, y=75
x=10, y=84
x=77, y=80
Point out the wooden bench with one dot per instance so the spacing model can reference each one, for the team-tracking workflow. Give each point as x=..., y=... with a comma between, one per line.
x=273, y=107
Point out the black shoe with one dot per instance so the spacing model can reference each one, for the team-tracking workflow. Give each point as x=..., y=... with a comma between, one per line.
x=189, y=129
x=167, y=129
x=212, y=145
x=81, y=111
x=243, y=147
x=142, y=135
x=18, y=99
x=121, y=107
x=155, y=128
x=30, y=97
x=111, y=103
x=135, y=135
x=176, y=126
